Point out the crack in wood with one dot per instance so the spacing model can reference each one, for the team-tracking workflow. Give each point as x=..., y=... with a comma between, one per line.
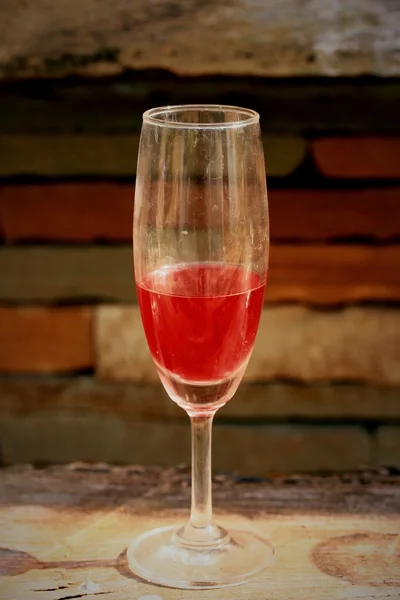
x=54, y=589
x=82, y=595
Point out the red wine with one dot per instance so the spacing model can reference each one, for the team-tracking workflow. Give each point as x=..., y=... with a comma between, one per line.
x=200, y=321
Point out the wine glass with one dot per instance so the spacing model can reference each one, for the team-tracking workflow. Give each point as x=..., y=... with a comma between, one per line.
x=201, y=242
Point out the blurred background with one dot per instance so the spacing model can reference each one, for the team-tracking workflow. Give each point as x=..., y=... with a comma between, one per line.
x=322, y=391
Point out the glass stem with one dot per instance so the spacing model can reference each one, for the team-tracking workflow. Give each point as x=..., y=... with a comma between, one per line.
x=201, y=509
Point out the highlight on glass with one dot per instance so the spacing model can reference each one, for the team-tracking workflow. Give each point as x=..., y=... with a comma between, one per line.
x=201, y=244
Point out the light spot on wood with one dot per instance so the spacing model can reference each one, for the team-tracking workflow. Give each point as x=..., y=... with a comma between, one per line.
x=89, y=587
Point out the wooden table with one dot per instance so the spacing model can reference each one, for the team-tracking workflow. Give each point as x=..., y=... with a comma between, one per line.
x=64, y=531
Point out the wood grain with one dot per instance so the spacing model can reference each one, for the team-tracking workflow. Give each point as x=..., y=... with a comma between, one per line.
x=341, y=532
x=89, y=212
x=321, y=275
x=354, y=344
x=190, y=37
x=111, y=155
x=45, y=340
x=24, y=397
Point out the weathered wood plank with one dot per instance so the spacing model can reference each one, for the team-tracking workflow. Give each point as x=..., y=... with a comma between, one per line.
x=286, y=106
x=42, y=340
x=111, y=155
x=293, y=342
x=364, y=157
x=248, y=36
x=87, y=212
x=76, y=396
x=315, y=274
x=340, y=534
x=98, y=486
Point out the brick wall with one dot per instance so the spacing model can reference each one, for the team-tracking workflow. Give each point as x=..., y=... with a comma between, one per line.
x=322, y=390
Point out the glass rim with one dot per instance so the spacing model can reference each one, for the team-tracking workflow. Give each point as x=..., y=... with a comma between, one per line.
x=152, y=116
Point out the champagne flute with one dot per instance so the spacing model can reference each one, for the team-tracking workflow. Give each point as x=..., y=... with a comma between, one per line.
x=201, y=243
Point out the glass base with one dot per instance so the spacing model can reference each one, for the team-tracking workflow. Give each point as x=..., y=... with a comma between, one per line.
x=165, y=557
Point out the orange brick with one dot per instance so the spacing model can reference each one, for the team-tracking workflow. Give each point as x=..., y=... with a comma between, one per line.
x=361, y=157
x=318, y=215
x=45, y=339
x=85, y=212
x=333, y=273
x=67, y=212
